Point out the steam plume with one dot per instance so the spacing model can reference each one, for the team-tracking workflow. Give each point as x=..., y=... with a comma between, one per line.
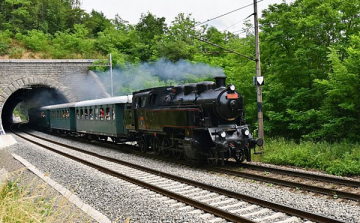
x=160, y=73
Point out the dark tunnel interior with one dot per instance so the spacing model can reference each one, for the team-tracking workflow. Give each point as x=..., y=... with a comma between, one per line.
x=33, y=96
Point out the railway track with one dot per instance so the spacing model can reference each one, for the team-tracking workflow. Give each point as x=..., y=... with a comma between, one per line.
x=225, y=204
x=326, y=185
x=323, y=178
x=330, y=186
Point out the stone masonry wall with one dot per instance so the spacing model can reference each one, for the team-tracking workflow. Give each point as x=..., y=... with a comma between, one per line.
x=71, y=77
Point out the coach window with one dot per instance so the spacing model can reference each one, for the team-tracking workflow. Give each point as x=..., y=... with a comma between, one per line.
x=86, y=114
x=57, y=114
x=91, y=114
x=96, y=113
x=107, y=113
x=101, y=113
x=81, y=113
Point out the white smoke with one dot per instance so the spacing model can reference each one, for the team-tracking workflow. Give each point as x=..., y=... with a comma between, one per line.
x=160, y=73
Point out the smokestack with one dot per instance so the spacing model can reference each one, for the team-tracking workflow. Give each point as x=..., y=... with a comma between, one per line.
x=220, y=81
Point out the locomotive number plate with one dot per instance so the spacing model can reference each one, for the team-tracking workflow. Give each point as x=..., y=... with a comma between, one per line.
x=233, y=96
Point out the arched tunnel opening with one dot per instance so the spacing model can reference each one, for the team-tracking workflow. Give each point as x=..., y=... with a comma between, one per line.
x=29, y=97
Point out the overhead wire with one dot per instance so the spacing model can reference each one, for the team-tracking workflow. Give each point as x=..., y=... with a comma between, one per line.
x=223, y=48
x=227, y=13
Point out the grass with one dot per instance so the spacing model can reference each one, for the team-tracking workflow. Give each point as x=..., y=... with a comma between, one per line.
x=35, y=202
x=18, y=113
x=342, y=159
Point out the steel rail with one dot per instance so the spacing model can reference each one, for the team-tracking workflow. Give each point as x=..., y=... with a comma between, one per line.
x=232, y=194
x=321, y=190
x=329, y=179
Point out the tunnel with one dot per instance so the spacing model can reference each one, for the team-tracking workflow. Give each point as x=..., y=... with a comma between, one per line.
x=28, y=97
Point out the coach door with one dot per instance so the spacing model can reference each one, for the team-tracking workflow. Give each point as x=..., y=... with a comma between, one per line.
x=139, y=112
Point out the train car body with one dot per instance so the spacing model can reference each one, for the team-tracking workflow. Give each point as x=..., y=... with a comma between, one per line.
x=103, y=117
x=60, y=117
x=39, y=118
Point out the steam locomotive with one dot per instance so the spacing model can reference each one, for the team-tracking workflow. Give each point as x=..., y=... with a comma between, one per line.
x=200, y=121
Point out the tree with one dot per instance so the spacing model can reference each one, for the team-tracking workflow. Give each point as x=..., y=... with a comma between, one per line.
x=148, y=29
x=296, y=40
x=339, y=114
x=97, y=22
x=178, y=43
x=16, y=15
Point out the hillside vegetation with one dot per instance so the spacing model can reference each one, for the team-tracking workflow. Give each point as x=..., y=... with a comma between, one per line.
x=309, y=50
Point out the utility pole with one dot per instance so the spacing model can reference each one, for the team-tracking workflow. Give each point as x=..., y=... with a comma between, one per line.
x=111, y=76
x=259, y=79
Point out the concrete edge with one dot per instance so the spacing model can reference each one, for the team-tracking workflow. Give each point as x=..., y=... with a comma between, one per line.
x=96, y=215
x=6, y=140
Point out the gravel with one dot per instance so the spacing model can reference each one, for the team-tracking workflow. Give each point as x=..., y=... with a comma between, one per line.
x=118, y=199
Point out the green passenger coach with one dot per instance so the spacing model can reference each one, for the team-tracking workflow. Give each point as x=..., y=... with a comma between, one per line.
x=103, y=117
x=61, y=117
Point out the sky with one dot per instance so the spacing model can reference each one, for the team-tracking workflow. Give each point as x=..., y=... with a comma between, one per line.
x=201, y=10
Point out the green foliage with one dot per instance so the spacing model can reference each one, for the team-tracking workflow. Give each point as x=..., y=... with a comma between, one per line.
x=339, y=158
x=97, y=22
x=35, y=40
x=178, y=43
x=72, y=45
x=48, y=16
x=5, y=40
x=16, y=53
x=296, y=41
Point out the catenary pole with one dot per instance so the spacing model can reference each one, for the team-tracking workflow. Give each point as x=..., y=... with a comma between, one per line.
x=111, y=76
x=258, y=74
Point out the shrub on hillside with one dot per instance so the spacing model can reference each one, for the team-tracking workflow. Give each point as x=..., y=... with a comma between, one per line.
x=35, y=40
x=338, y=158
x=5, y=40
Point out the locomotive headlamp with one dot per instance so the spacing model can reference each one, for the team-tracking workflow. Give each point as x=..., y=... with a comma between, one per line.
x=245, y=132
x=223, y=134
x=232, y=87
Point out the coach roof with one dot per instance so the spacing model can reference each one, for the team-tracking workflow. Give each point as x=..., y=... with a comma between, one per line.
x=66, y=105
x=105, y=101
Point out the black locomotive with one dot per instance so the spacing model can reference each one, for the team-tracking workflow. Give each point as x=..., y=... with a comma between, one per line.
x=202, y=121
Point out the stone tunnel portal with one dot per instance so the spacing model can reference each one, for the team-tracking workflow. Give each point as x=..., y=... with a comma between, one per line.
x=28, y=97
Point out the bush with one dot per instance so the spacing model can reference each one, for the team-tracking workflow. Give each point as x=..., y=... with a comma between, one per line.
x=35, y=40
x=16, y=53
x=5, y=40
x=4, y=48
x=339, y=158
